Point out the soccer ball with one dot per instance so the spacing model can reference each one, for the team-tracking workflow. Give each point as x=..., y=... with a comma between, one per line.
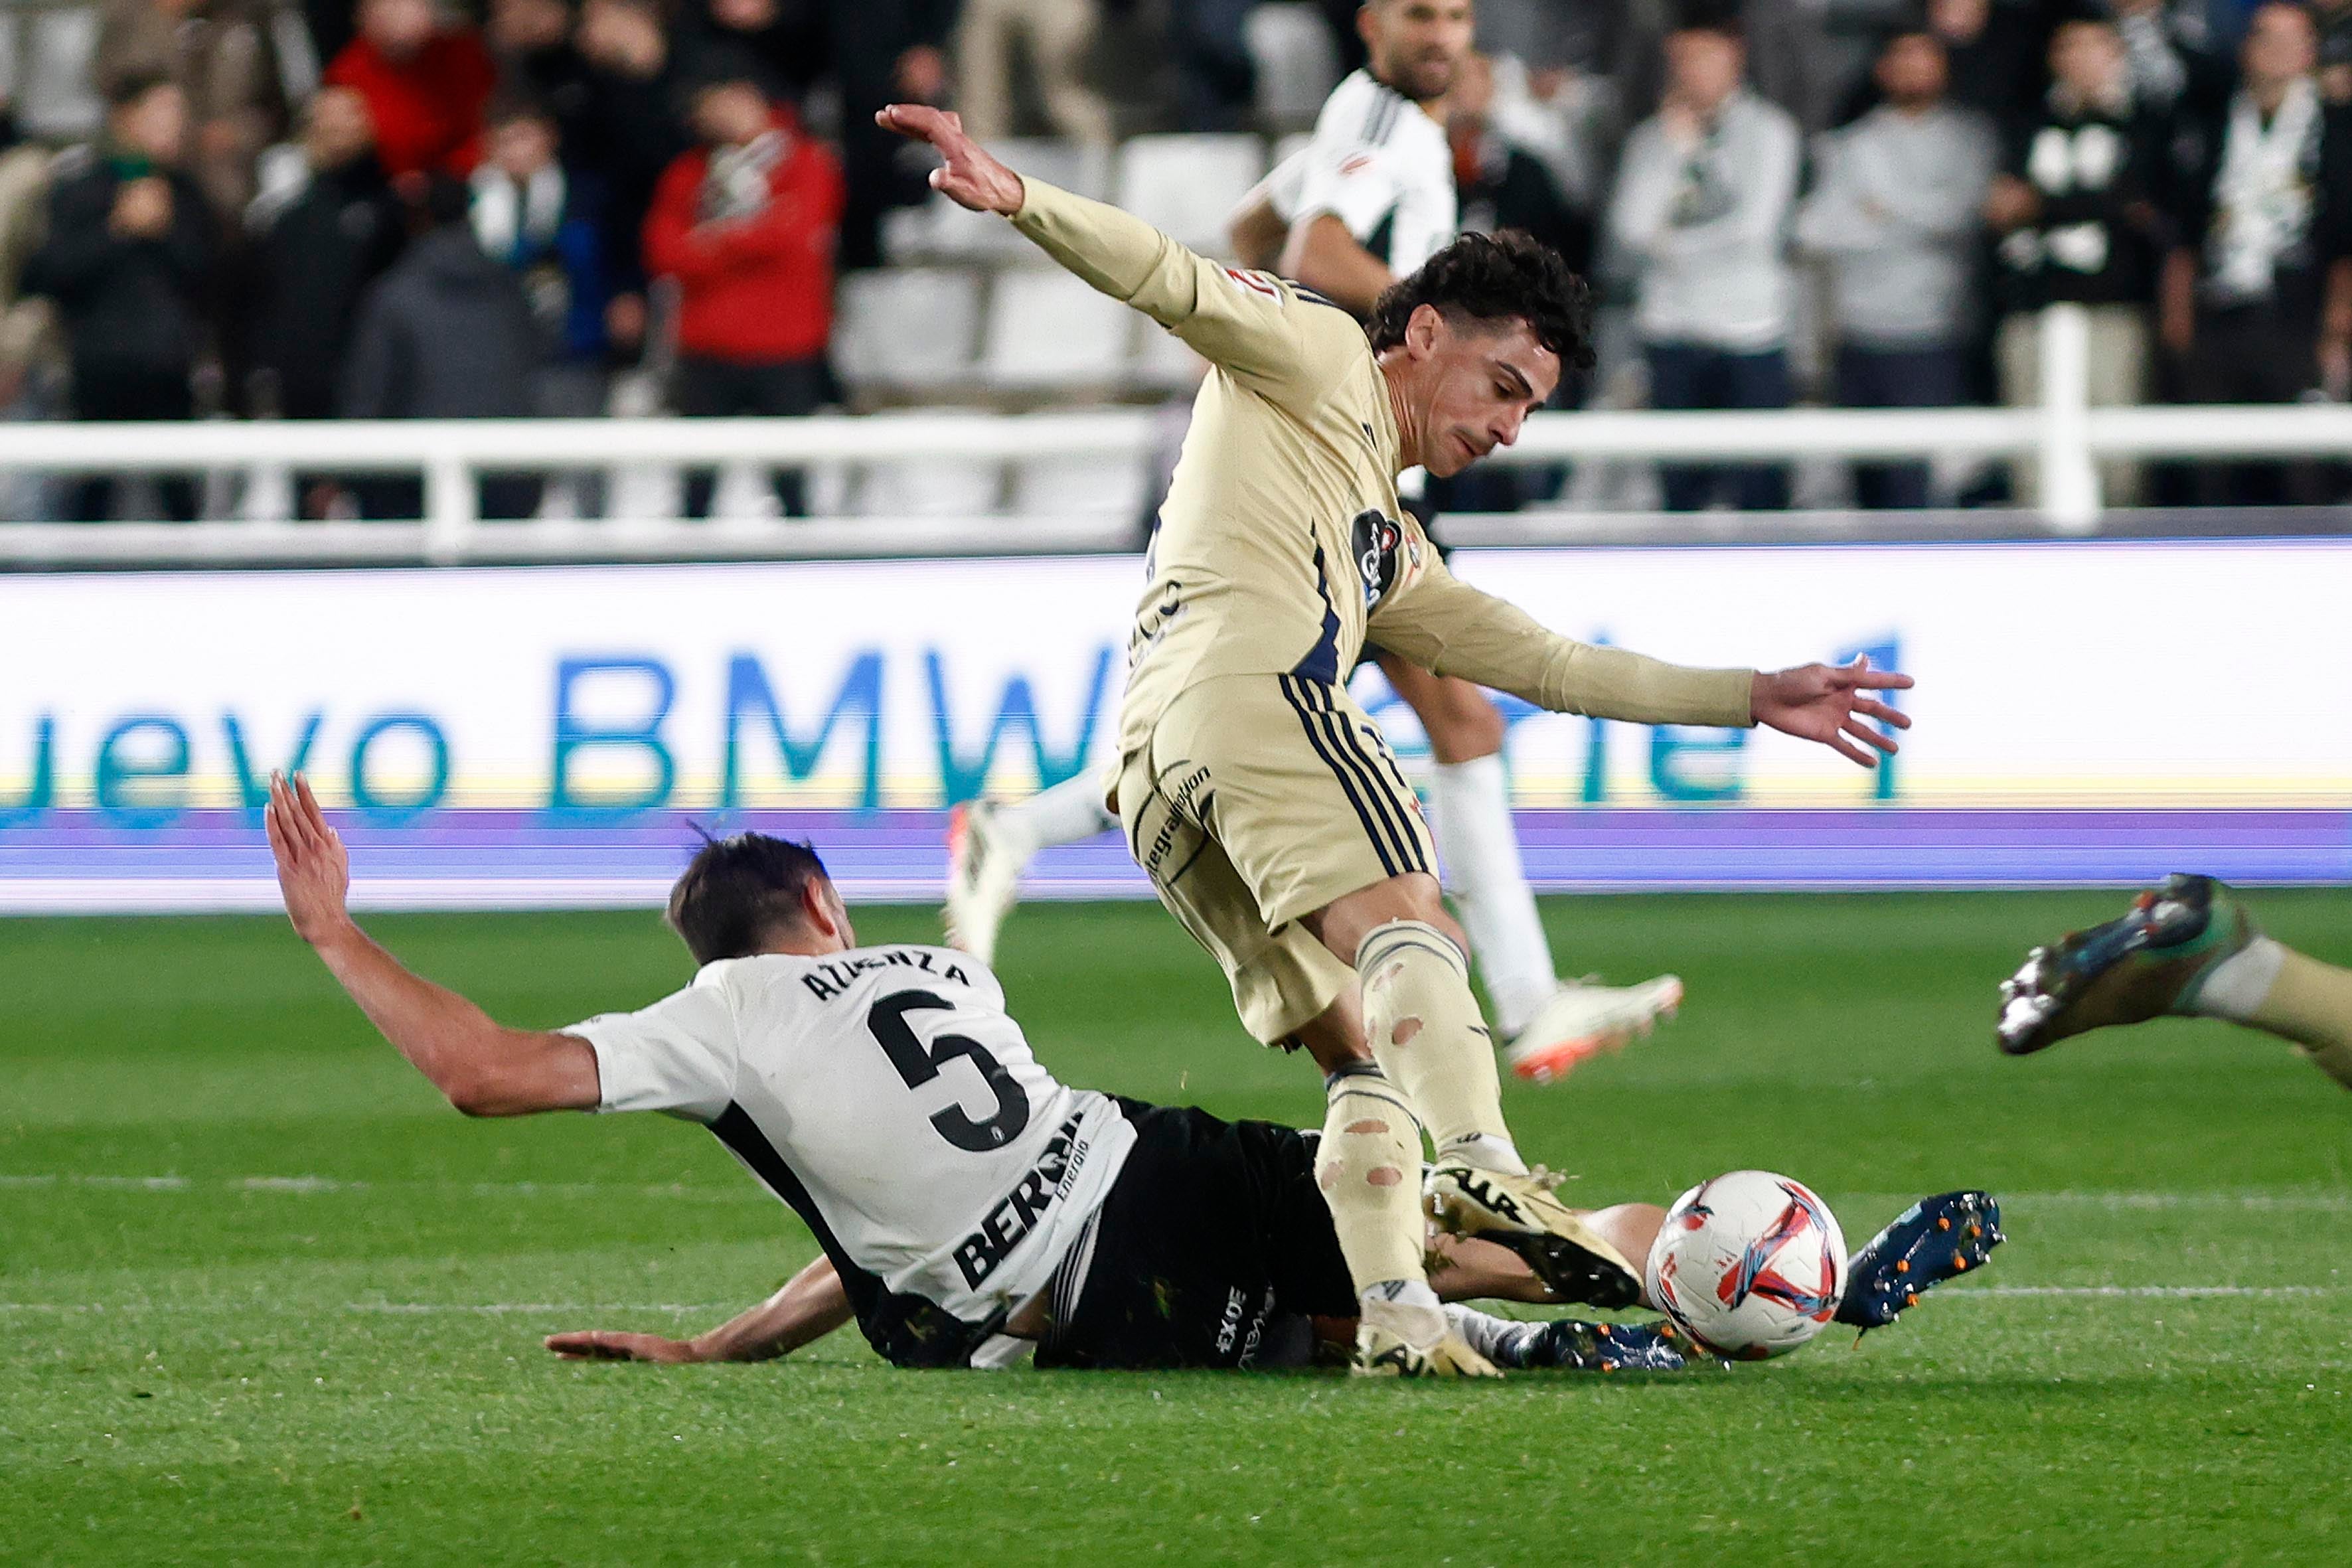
x=1750, y=1265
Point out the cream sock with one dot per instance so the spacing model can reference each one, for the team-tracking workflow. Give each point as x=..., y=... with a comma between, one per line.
x=2271, y=988
x=1422, y=1024
x=1369, y=1166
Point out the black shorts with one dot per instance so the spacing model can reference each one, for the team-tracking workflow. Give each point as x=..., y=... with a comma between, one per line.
x=1213, y=1250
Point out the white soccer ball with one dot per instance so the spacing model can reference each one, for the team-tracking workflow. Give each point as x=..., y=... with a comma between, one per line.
x=1750, y=1265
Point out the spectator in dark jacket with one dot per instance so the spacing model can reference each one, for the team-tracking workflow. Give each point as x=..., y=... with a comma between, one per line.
x=635, y=129
x=129, y=261
x=2256, y=302
x=312, y=248
x=315, y=247
x=445, y=334
x=425, y=86
x=746, y=225
x=2074, y=206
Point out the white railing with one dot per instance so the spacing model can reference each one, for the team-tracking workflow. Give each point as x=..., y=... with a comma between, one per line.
x=2063, y=438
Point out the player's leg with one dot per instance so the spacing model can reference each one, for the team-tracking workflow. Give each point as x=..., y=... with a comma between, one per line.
x=2188, y=948
x=1290, y=988
x=1547, y=1028
x=989, y=846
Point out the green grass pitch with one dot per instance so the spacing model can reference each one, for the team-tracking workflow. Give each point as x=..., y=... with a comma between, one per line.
x=266, y=1300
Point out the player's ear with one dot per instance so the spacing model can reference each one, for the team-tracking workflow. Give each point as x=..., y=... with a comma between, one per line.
x=1423, y=330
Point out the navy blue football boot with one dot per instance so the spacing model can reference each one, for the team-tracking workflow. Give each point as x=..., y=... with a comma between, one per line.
x=1928, y=1244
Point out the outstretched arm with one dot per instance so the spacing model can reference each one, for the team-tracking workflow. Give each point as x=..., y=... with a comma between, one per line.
x=812, y=1304
x=1249, y=323
x=1445, y=624
x=485, y=1069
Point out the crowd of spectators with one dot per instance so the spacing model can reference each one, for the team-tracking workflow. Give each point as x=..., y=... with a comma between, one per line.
x=406, y=208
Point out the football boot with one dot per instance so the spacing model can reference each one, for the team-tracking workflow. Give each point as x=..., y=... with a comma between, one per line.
x=1582, y=1020
x=983, y=879
x=1572, y=1260
x=1396, y=1339
x=2147, y=961
x=1929, y=1243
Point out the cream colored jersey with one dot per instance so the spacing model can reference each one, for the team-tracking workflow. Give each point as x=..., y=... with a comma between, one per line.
x=1281, y=545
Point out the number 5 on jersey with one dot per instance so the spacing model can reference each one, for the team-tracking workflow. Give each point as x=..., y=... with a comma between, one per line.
x=918, y=1063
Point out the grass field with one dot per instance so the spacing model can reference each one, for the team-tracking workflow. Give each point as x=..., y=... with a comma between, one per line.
x=267, y=1300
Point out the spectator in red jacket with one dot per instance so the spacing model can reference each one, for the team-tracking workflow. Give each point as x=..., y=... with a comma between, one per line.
x=426, y=84
x=746, y=223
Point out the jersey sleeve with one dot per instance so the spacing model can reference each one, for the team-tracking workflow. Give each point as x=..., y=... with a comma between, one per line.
x=1445, y=624
x=679, y=1054
x=1359, y=183
x=1274, y=340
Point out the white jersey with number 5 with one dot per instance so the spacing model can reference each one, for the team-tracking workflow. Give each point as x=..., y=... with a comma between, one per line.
x=1379, y=164
x=886, y=1095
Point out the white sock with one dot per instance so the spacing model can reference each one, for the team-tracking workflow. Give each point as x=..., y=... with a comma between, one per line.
x=2240, y=983
x=1480, y=844
x=1070, y=811
x=1404, y=1293
x=1500, y=1340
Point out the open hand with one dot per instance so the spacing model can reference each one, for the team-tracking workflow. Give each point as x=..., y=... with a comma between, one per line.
x=612, y=1344
x=313, y=871
x=969, y=177
x=1829, y=704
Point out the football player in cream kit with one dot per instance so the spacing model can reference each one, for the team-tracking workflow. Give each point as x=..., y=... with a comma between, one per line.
x=1369, y=199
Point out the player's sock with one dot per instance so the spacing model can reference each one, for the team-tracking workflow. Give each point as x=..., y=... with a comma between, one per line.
x=1070, y=811
x=2272, y=988
x=1499, y=1340
x=1369, y=1166
x=1424, y=1030
x=1472, y=804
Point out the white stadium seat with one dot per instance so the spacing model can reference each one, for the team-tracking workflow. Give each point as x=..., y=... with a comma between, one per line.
x=906, y=327
x=1189, y=186
x=1078, y=487
x=1048, y=331
x=1297, y=65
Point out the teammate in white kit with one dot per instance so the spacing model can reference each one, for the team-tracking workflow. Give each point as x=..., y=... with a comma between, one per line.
x=1369, y=199
x=967, y=1203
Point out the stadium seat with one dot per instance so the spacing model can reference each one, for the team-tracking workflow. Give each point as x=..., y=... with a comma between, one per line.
x=1049, y=331
x=940, y=230
x=1189, y=186
x=1078, y=487
x=1297, y=66
x=906, y=327
x=52, y=56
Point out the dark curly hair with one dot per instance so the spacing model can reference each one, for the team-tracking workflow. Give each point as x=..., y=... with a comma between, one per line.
x=1494, y=278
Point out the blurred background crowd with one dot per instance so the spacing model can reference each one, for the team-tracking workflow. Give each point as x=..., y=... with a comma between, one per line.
x=304, y=209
